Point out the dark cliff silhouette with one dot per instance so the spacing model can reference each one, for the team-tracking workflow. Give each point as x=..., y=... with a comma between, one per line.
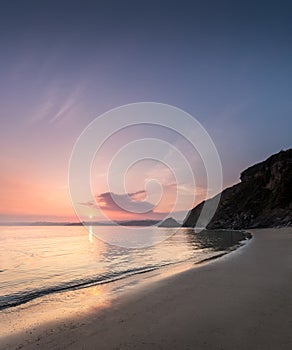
x=263, y=198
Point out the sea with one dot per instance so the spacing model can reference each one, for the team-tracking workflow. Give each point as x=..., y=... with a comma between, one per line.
x=38, y=260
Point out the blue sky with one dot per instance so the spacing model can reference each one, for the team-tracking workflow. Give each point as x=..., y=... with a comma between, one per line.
x=228, y=63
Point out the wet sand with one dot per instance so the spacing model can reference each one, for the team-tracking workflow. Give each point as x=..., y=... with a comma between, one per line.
x=240, y=301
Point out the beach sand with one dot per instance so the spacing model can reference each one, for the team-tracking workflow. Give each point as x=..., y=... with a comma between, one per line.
x=240, y=301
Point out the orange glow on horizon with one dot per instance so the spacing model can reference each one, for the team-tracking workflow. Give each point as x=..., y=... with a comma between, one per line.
x=31, y=197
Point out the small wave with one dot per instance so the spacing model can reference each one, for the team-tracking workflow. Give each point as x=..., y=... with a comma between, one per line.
x=16, y=299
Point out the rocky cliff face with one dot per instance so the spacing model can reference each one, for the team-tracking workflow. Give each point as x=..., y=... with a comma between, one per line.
x=263, y=198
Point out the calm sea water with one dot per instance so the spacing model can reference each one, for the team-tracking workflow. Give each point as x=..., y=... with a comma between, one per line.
x=36, y=261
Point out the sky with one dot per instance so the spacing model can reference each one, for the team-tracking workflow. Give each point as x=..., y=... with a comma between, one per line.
x=63, y=63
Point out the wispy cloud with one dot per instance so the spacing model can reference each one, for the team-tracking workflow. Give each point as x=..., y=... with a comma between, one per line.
x=56, y=105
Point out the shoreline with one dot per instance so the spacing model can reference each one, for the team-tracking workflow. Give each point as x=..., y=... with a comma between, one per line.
x=197, y=306
x=183, y=265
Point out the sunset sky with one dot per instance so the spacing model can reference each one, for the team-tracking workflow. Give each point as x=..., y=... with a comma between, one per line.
x=63, y=63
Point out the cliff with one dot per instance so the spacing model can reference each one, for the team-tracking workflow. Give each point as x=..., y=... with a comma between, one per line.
x=263, y=198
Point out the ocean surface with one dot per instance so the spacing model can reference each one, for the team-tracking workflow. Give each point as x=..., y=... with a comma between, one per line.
x=38, y=260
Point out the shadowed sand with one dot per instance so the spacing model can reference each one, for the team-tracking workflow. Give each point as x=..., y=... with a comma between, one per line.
x=240, y=301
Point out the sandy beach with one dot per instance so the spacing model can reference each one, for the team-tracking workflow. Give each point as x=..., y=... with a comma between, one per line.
x=239, y=301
